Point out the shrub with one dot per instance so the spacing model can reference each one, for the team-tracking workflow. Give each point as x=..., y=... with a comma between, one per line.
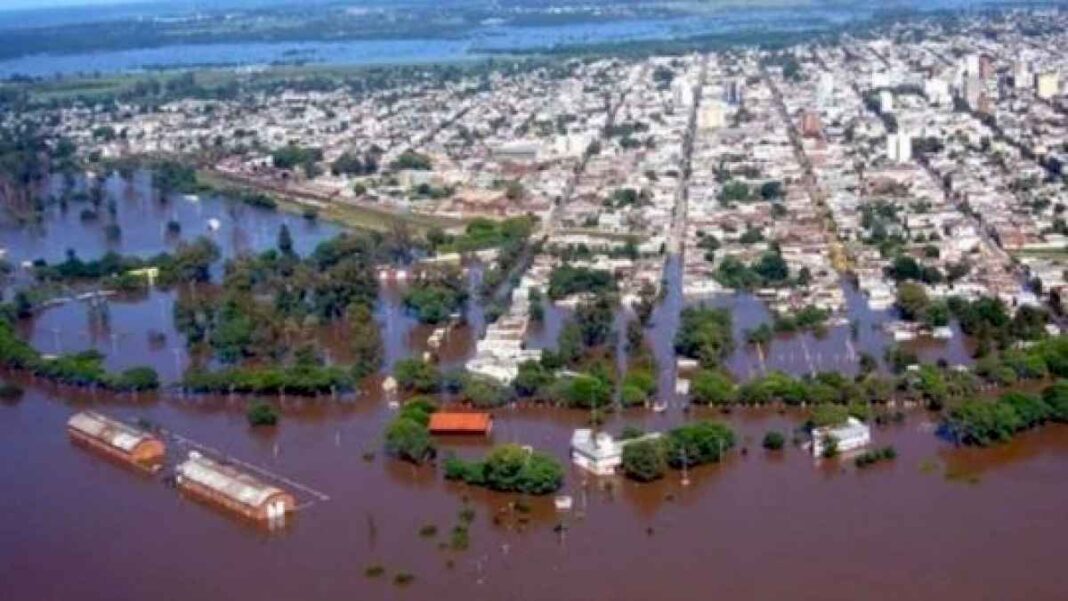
x=830, y=447
x=642, y=379
x=1031, y=410
x=408, y=439
x=137, y=379
x=645, y=460
x=509, y=468
x=566, y=280
x=459, y=538
x=533, y=379
x=705, y=334
x=261, y=414
x=417, y=375
x=774, y=441
x=1056, y=397
x=418, y=409
x=632, y=396
x=869, y=458
x=584, y=391
x=403, y=578
x=982, y=423
x=698, y=443
x=467, y=514
x=712, y=387
x=483, y=392
x=10, y=392
x=828, y=415
x=302, y=379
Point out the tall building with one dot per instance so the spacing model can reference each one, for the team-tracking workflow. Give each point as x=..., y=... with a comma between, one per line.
x=937, y=91
x=732, y=92
x=973, y=91
x=1047, y=85
x=682, y=92
x=1022, y=79
x=986, y=67
x=899, y=147
x=825, y=90
x=886, y=101
x=811, y=126
x=712, y=116
x=985, y=105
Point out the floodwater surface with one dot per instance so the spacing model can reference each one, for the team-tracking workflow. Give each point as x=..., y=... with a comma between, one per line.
x=935, y=523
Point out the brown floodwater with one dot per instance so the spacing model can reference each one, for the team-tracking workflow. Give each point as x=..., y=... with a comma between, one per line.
x=142, y=216
x=937, y=522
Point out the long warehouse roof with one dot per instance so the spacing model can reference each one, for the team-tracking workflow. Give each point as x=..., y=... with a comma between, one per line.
x=226, y=480
x=105, y=429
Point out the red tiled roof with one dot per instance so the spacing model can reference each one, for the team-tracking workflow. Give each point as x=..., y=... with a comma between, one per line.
x=445, y=422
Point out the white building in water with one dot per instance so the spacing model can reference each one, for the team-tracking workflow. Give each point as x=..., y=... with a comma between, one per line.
x=853, y=434
x=600, y=453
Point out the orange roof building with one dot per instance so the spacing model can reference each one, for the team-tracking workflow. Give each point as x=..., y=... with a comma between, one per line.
x=445, y=422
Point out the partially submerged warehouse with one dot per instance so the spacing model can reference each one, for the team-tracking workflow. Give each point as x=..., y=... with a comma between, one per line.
x=116, y=439
x=236, y=491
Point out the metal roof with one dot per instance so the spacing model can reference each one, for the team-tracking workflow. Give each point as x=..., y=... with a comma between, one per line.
x=226, y=480
x=107, y=430
x=442, y=421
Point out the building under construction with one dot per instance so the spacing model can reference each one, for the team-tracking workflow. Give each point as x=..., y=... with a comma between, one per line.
x=236, y=491
x=116, y=439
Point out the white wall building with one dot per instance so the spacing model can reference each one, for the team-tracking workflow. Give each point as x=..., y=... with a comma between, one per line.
x=937, y=91
x=712, y=116
x=600, y=453
x=1022, y=78
x=825, y=90
x=886, y=101
x=1047, y=85
x=899, y=147
x=852, y=435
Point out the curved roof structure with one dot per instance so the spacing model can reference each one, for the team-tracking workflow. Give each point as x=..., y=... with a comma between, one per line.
x=107, y=430
x=226, y=480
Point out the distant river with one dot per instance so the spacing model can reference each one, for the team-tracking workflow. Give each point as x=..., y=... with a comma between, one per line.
x=479, y=43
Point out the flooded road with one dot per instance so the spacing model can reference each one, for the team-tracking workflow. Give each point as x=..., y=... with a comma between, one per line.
x=937, y=522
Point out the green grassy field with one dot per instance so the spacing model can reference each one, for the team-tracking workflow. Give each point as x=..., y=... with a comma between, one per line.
x=105, y=86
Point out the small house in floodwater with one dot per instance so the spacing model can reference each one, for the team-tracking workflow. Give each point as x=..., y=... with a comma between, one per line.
x=599, y=453
x=223, y=485
x=116, y=439
x=849, y=436
x=453, y=422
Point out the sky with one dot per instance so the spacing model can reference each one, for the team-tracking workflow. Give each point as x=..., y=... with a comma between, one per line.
x=23, y=4
x=176, y=4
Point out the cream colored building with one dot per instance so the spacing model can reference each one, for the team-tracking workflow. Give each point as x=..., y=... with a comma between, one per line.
x=1047, y=85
